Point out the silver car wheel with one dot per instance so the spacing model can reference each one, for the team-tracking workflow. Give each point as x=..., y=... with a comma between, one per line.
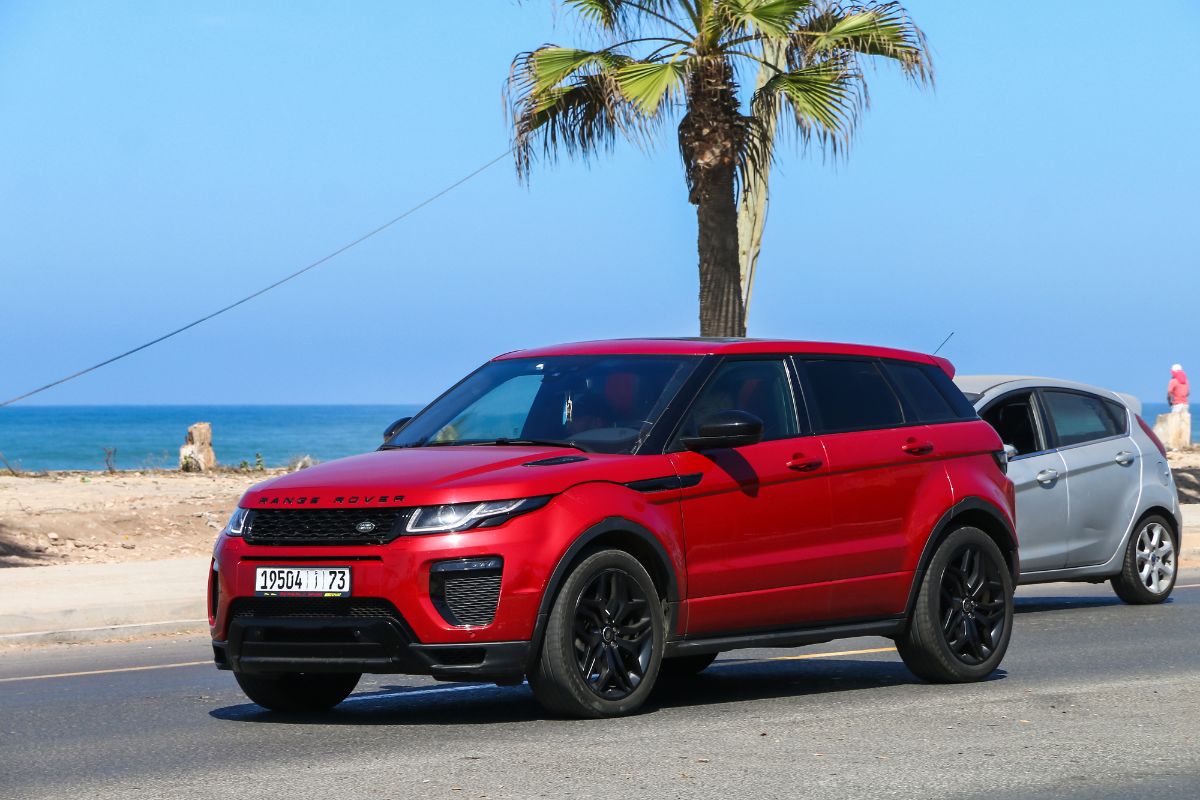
x=1155, y=558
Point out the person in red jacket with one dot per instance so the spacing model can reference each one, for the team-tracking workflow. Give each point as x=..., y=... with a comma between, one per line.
x=1178, y=390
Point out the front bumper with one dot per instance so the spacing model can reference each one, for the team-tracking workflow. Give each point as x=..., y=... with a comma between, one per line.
x=381, y=645
x=408, y=578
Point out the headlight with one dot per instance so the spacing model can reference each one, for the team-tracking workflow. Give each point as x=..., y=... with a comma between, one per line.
x=462, y=516
x=237, y=522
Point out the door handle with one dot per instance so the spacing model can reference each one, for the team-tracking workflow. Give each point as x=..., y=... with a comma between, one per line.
x=1047, y=476
x=801, y=464
x=917, y=448
x=1125, y=458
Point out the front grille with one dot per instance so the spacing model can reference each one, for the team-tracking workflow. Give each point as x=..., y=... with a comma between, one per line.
x=313, y=608
x=321, y=526
x=466, y=591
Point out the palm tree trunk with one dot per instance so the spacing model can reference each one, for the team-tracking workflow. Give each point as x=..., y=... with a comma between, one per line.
x=752, y=208
x=721, y=309
x=710, y=139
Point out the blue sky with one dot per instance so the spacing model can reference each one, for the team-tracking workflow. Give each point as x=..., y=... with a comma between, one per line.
x=158, y=160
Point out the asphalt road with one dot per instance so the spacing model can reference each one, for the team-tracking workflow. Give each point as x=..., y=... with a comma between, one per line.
x=1096, y=699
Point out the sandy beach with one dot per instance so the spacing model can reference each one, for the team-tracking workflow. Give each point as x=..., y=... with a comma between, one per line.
x=98, y=517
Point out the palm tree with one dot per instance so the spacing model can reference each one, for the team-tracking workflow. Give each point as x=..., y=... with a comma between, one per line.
x=665, y=59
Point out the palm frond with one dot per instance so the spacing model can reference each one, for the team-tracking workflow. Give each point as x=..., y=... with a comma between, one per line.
x=825, y=100
x=882, y=30
x=774, y=19
x=549, y=66
x=647, y=84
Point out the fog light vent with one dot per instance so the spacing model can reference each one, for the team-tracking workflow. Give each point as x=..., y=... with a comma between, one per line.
x=466, y=591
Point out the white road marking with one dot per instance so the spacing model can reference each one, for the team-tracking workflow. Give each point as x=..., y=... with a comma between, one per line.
x=105, y=671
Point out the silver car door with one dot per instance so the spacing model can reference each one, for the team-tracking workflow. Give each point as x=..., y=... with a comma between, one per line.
x=1039, y=476
x=1103, y=470
x=1043, y=526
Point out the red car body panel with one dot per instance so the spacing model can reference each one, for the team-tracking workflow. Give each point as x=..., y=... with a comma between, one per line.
x=790, y=533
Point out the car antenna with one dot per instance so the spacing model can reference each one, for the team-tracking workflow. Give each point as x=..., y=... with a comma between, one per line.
x=943, y=344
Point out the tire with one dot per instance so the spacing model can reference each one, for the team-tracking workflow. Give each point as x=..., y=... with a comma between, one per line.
x=686, y=666
x=604, y=639
x=962, y=620
x=297, y=692
x=1150, y=567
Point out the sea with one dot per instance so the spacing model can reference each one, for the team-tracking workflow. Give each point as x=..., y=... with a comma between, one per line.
x=39, y=438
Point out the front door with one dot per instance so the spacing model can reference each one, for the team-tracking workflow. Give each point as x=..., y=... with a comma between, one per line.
x=756, y=518
x=1103, y=468
x=1039, y=476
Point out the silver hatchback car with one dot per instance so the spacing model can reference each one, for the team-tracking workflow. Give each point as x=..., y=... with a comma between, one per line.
x=1095, y=498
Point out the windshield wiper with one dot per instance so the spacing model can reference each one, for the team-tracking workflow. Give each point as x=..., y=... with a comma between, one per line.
x=500, y=442
x=504, y=442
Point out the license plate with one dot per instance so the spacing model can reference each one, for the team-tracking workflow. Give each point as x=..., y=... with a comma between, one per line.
x=302, y=581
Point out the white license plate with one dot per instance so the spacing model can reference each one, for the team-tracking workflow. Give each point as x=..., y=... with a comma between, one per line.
x=302, y=581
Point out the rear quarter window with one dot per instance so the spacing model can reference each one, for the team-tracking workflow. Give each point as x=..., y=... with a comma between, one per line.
x=929, y=393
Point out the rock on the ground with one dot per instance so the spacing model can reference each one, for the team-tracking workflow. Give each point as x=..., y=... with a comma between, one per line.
x=1175, y=430
x=196, y=454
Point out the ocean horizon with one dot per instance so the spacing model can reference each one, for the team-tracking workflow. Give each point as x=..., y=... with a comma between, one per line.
x=39, y=438
x=45, y=437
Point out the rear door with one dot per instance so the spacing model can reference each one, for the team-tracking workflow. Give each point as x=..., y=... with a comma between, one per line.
x=1103, y=470
x=1039, y=475
x=883, y=464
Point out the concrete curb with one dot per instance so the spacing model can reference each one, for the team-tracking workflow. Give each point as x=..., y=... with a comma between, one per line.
x=86, y=602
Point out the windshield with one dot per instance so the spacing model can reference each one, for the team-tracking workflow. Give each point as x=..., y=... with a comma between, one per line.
x=603, y=404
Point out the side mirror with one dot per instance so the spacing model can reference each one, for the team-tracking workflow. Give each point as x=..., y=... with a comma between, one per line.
x=1010, y=452
x=395, y=427
x=726, y=429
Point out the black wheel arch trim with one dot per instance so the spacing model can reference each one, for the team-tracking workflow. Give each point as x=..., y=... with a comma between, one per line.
x=609, y=525
x=942, y=528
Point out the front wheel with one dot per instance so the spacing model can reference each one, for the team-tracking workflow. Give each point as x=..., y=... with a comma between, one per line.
x=297, y=691
x=1148, y=573
x=604, y=639
x=962, y=620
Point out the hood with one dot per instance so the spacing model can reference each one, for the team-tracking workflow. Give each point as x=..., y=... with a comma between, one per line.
x=435, y=475
x=1179, y=375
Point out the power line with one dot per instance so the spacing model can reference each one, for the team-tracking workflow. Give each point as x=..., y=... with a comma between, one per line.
x=266, y=289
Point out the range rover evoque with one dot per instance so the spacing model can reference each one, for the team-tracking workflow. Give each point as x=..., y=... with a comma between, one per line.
x=595, y=517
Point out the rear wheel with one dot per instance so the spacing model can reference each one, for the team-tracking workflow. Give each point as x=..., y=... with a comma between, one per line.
x=297, y=691
x=962, y=620
x=604, y=639
x=1148, y=573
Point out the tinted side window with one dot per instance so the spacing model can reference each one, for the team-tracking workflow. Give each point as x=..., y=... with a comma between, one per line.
x=923, y=398
x=848, y=395
x=1079, y=418
x=762, y=388
x=963, y=407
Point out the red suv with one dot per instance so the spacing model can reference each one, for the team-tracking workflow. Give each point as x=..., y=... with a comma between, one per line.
x=596, y=516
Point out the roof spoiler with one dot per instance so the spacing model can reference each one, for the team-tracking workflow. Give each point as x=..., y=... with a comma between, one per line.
x=945, y=364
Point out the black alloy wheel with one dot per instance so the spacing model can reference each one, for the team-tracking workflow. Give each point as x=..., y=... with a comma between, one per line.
x=962, y=616
x=613, y=635
x=604, y=639
x=972, y=604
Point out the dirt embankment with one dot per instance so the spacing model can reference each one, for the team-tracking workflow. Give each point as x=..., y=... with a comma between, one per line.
x=90, y=517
